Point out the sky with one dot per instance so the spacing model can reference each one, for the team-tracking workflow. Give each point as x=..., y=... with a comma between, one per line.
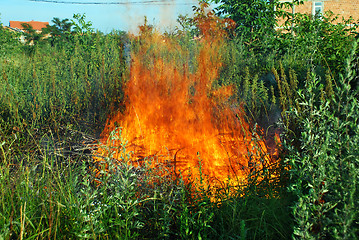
x=105, y=15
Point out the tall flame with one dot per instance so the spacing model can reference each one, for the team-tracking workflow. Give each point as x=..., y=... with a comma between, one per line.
x=175, y=115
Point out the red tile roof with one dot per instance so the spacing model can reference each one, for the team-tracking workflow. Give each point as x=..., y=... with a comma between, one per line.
x=35, y=24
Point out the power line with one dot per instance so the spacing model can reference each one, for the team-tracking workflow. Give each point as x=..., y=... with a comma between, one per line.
x=152, y=2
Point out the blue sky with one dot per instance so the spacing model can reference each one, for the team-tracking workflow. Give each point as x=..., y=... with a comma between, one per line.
x=104, y=17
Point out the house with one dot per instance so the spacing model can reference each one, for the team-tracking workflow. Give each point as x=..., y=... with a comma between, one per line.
x=37, y=26
x=16, y=26
x=344, y=8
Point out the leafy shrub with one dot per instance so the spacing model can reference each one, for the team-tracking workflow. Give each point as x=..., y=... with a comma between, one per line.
x=324, y=166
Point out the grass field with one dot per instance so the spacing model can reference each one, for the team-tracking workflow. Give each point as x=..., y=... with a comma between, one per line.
x=56, y=99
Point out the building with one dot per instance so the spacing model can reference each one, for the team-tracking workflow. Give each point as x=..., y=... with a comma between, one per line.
x=344, y=8
x=37, y=26
x=16, y=26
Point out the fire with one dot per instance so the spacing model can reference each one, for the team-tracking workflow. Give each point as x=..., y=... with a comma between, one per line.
x=176, y=116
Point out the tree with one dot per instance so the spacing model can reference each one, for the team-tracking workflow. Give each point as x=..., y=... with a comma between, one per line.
x=82, y=26
x=59, y=31
x=327, y=38
x=186, y=26
x=32, y=37
x=253, y=17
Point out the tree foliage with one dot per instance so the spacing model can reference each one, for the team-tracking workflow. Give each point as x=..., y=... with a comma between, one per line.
x=32, y=36
x=81, y=25
x=59, y=31
x=253, y=17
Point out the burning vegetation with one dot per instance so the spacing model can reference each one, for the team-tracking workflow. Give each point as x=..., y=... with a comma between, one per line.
x=176, y=116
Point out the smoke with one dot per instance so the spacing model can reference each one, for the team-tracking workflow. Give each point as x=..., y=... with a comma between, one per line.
x=166, y=14
x=162, y=14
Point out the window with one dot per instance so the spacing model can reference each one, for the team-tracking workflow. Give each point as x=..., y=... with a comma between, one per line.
x=318, y=8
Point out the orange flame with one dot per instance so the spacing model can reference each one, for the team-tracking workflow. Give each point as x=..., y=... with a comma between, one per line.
x=175, y=115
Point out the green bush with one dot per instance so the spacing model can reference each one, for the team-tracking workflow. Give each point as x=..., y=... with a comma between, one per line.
x=324, y=166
